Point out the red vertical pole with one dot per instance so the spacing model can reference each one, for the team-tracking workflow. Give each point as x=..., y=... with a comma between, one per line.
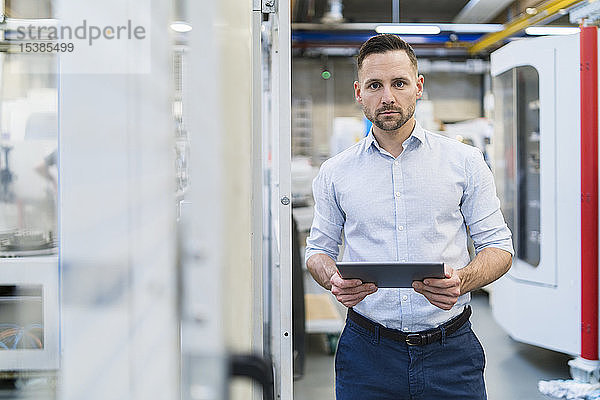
x=589, y=192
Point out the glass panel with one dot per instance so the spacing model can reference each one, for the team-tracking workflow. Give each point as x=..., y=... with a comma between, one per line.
x=504, y=147
x=528, y=162
x=29, y=9
x=28, y=154
x=21, y=317
x=517, y=163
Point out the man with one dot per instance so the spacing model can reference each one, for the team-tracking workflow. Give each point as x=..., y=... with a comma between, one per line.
x=405, y=194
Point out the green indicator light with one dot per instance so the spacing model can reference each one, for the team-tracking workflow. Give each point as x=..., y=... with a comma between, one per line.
x=325, y=74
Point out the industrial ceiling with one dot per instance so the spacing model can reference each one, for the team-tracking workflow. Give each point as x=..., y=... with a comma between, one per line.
x=463, y=11
x=344, y=24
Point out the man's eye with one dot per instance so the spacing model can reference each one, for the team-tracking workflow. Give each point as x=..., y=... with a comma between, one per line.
x=374, y=85
x=399, y=84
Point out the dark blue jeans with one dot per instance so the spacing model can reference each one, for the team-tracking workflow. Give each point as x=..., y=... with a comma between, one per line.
x=370, y=367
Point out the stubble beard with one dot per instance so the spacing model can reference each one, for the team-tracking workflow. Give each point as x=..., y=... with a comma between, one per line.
x=390, y=124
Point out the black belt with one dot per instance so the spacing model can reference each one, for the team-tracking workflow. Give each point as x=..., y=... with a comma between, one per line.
x=413, y=338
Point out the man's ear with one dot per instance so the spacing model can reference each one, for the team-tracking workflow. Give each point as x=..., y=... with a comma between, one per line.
x=357, y=91
x=420, y=82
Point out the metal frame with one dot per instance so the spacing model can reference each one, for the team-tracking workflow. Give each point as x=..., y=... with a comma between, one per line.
x=280, y=202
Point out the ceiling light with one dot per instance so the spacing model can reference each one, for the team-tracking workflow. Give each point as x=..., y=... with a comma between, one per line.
x=471, y=28
x=551, y=30
x=531, y=10
x=181, y=27
x=409, y=29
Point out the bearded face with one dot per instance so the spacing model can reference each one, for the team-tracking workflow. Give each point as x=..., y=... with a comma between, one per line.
x=389, y=118
x=388, y=89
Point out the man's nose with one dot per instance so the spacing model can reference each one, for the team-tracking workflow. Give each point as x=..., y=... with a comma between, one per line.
x=387, y=96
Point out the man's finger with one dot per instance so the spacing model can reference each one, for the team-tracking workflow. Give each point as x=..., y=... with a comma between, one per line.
x=449, y=291
x=350, y=300
x=351, y=303
x=440, y=300
x=443, y=306
x=438, y=296
x=449, y=280
x=440, y=304
x=445, y=295
x=440, y=283
x=349, y=297
x=356, y=298
x=337, y=280
x=367, y=288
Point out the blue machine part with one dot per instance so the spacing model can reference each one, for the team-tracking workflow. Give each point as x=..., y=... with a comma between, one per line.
x=299, y=36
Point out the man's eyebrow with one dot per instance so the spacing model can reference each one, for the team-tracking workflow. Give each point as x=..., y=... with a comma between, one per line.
x=371, y=80
x=396, y=78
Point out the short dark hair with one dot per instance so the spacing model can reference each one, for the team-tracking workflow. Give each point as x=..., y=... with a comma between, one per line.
x=382, y=44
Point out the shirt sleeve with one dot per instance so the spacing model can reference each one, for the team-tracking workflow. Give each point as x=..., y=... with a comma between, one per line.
x=328, y=221
x=480, y=207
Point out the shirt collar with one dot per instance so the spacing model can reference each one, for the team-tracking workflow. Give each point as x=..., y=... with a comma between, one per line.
x=418, y=134
x=370, y=140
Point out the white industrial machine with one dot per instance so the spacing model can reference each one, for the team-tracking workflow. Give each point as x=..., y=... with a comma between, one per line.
x=126, y=173
x=105, y=290
x=537, y=165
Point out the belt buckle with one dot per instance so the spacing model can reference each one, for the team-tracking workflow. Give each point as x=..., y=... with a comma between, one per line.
x=413, y=339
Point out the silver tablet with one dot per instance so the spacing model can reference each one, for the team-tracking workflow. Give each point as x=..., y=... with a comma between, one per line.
x=390, y=274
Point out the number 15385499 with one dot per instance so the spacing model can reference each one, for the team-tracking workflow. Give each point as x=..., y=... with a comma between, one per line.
x=46, y=47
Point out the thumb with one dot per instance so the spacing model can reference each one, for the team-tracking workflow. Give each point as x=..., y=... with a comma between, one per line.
x=448, y=271
x=336, y=279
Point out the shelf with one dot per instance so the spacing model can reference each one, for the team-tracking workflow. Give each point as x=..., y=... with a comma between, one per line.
x=20, y=298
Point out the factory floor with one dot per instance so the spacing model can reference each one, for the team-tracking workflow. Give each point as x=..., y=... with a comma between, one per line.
x=512, y=372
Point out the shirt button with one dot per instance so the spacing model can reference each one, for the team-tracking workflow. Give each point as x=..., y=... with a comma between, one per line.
x=403, y=260
x=405, y=297
x=396, y=163
x=400, y=228
x=405, y=329
x=397, y=194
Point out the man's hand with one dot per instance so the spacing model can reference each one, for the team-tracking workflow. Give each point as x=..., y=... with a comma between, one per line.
x=442, y=293
x=350, y=292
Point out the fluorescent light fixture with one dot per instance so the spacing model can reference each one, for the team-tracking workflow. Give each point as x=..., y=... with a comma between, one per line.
x=400, y=29
x=471, y=28
x=363, y=26
x=181, y=27
x=551, y=30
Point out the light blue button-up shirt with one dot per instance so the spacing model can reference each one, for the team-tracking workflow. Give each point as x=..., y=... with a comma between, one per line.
x=413, y=208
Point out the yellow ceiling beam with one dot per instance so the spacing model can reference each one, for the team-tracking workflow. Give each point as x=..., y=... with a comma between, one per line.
x=544, y=11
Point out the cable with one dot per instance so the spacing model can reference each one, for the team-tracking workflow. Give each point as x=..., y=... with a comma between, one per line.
x=12, y=336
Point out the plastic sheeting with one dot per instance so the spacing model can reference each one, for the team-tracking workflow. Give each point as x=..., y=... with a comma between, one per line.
x=570, y=389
